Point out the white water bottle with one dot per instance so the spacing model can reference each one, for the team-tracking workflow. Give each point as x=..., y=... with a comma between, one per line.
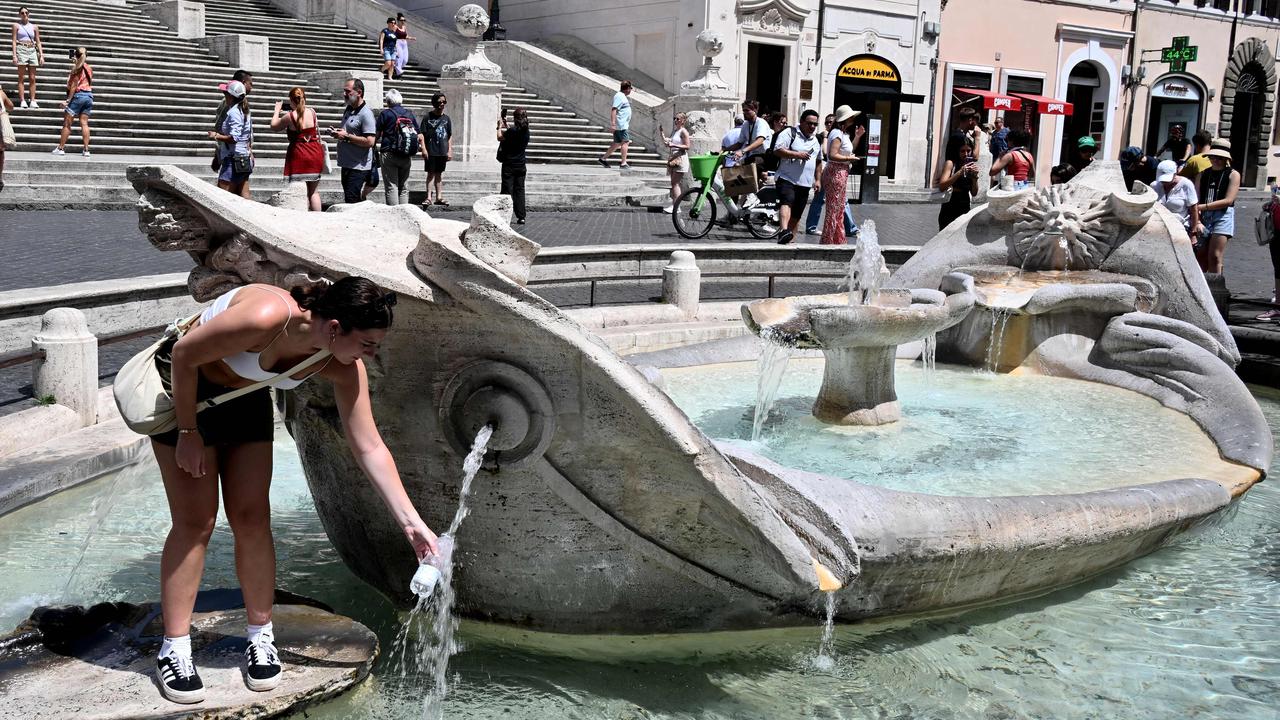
x=432, y=568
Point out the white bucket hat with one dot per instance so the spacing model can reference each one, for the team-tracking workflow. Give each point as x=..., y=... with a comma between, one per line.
x=844, y=112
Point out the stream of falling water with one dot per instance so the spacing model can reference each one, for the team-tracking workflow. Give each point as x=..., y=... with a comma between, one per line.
x=826, y=657
x=431, y=621
x=864, y=267
x=929, y=357
x=771, y=366
x=999, y=321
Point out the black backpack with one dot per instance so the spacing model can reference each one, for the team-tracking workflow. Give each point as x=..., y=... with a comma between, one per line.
x=404, y=136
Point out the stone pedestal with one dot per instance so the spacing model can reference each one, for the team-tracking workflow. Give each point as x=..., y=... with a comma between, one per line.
x=474, y=88
x=332, y=81
x=858, y=387
x=184, y=17
x=244, y=52
x=707, y=99
x=682, y=283
x=68, y=371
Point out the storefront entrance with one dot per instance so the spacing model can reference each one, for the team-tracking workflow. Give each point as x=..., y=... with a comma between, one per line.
x=1247, y=123
x=872, y=85
x=766, y=76
x=1175, y=101
x=1089, y=95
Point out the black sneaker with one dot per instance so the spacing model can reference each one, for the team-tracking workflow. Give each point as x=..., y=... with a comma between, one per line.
x=785, y=237
x=603, y=162
x=262, y=665
x=179, y=681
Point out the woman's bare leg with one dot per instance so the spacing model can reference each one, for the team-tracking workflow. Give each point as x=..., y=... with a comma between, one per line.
x=193, y=507
x=313, y=196
x=246, y=492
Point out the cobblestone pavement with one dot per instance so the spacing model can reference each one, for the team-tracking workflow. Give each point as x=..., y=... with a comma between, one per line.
x=56, y=247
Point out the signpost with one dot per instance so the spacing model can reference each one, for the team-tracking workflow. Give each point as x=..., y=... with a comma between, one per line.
x=1179, y=54
x=869, y=184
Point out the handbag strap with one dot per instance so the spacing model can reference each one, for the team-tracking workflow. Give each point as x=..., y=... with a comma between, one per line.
x=229, y=396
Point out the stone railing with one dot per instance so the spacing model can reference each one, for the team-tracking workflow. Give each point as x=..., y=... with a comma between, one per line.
x=573, y=277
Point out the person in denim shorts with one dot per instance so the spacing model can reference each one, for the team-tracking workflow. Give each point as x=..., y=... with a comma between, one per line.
x=79, y=102
x=1219, y=186
x=620, y=125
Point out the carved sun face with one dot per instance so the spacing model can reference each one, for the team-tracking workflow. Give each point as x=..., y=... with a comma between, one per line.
x=1059, y=231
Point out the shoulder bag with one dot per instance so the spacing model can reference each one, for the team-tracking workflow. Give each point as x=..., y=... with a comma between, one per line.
x=147, y=408
x=6, y=131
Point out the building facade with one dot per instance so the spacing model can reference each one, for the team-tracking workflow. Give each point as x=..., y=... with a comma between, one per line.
x=789, y=55
x=1210, y=65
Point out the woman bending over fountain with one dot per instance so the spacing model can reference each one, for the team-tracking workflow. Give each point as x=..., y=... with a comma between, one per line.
x=247, y=335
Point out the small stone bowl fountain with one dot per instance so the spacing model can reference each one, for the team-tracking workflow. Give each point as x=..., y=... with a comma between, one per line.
x=860, y=342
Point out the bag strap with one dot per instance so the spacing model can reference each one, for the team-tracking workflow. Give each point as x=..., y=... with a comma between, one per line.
x=229, y=396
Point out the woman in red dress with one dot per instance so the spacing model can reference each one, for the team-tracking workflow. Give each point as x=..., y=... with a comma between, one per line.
x=304, y=159
x=835, y=176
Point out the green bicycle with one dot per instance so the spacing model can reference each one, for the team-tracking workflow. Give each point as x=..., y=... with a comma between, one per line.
x=695, y=210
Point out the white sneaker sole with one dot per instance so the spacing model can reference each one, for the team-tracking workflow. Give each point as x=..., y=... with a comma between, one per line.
x=184, y=697
x=263, y=685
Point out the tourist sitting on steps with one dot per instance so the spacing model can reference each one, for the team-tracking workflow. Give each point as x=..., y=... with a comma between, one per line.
x=248, y=335
x=79, y=102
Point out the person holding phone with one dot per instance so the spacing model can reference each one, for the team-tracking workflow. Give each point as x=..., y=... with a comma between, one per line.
x=799, y=154
x=960, y=177
x=513, y=141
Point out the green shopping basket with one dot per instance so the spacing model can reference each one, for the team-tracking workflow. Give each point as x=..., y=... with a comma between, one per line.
x=703, y=167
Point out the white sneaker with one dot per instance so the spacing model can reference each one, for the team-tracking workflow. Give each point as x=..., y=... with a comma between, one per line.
x=59, y=151
x=34, y=105
x=668, y=209
x=85, y=152
x=23, y=104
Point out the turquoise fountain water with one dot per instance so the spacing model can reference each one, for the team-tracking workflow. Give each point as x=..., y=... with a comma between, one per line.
x=1186, y=632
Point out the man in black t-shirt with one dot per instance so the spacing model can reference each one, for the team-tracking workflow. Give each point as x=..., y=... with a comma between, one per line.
x=1177, y=145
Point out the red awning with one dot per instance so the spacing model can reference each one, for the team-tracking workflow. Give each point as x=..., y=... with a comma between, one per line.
x=993, y=100
x=1047, y=105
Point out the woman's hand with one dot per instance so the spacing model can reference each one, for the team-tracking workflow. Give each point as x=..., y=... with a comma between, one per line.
x=421, y=538
x=190, y=453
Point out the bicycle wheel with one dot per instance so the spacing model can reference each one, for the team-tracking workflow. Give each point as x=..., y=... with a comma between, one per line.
x=690, y=223
x=762, y=221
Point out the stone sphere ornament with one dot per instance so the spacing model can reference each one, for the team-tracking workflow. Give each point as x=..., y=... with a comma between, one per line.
x=471, y=21
x=710, y=43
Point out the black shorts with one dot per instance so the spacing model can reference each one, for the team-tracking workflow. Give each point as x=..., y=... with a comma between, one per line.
x=248, y=418
x=436, y=163
x=792, y=195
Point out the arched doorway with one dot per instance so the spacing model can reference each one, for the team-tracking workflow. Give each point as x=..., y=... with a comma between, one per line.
x=872, y=84
x=1247, y=95
x=1089, y=91
x=1174, y=99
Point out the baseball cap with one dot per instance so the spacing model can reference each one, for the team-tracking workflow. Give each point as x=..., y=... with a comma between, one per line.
x=1166, y=170
x=1130, y=155
x=235, y=89
x=1086, y=142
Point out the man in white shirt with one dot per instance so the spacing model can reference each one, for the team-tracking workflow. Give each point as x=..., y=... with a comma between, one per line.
x=799, y=154
x=619, y=125
x=755, y=135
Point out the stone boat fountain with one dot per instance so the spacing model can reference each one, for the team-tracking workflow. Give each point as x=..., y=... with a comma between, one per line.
x=603, y=509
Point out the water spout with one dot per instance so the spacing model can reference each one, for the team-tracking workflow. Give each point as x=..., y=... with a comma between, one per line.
x=864, y=268
x=929, y=357
x=432, y=618
x=772, y=365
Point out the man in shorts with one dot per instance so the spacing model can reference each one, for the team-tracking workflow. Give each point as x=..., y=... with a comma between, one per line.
x=620, y=124
x=799, y=154
x=438, y=129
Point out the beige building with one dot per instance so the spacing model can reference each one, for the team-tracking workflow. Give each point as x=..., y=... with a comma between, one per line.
x=788, y=54
x=1064, y=69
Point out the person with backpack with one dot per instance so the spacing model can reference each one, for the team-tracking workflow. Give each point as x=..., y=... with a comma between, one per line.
x=799, y=154
x=399, y=140
x=304, y=159
x=1017, y=160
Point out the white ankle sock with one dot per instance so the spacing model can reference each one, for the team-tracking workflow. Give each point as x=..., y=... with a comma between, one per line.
x=256, y=631
x=176, y=645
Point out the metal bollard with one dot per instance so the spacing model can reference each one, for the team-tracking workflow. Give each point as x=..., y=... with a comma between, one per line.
x=682, y=283
x=66, y=367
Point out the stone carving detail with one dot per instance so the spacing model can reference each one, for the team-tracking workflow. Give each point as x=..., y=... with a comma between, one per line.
x=709, y=43
x=771, y=20
x=869, y=40
x=471, y=22
x=171, y=226
x=707, y=81
x=1058, y=229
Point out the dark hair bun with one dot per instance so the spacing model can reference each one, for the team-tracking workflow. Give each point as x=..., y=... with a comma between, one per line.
x=356, y=303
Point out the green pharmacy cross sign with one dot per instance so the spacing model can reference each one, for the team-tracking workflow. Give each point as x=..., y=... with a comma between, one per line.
x=1179, y=55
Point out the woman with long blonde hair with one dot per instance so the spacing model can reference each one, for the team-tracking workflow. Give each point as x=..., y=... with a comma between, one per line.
x=304, y=158
x=79, y=102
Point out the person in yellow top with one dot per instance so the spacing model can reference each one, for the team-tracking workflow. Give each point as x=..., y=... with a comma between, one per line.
x=1199, y=162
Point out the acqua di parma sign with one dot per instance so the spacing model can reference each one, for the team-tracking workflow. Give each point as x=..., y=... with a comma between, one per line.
x=869, y=68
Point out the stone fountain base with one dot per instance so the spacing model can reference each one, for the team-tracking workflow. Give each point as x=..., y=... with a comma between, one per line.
x=858, y=387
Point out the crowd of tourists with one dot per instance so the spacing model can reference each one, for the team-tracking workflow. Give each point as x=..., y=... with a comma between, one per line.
x=368, y=148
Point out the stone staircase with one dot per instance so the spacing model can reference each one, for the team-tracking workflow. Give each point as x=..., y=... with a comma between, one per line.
x=155, y=96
